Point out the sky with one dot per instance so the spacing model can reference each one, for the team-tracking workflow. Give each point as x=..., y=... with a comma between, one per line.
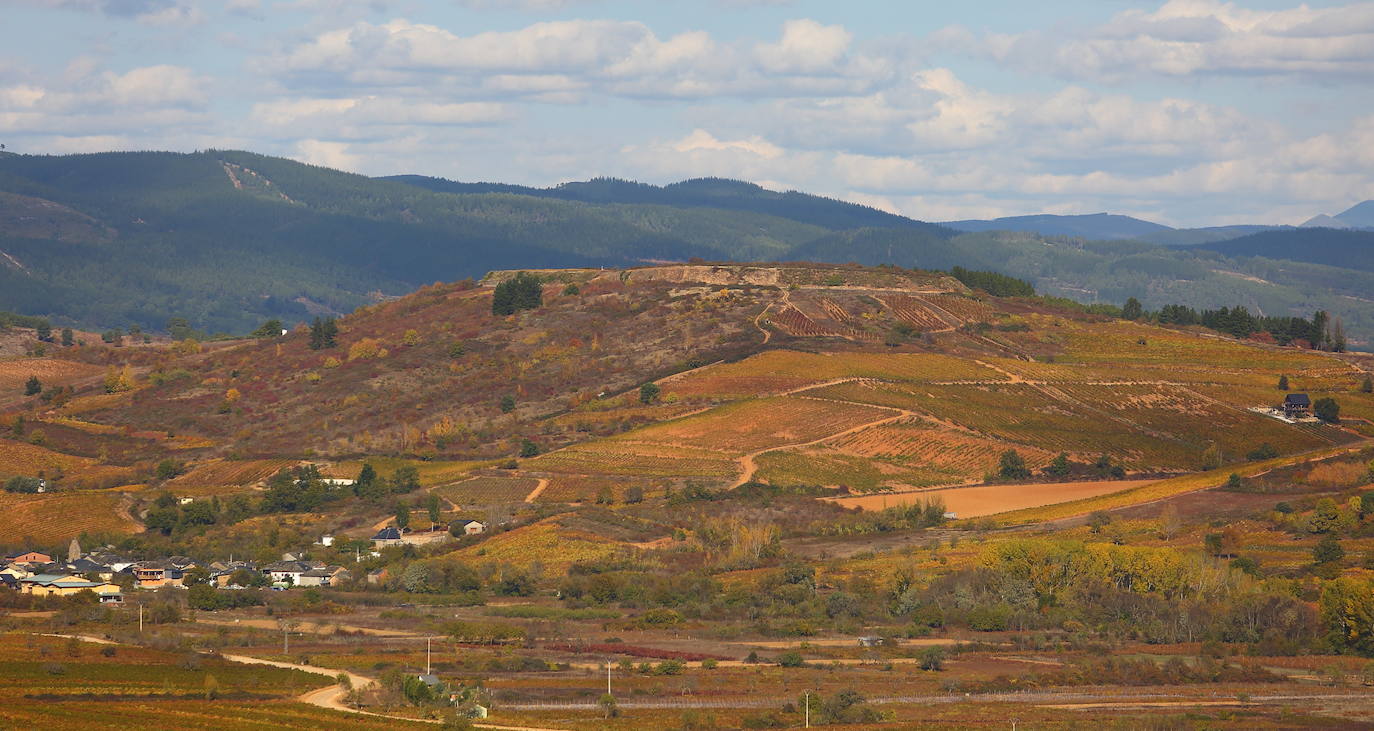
x=1186, y=112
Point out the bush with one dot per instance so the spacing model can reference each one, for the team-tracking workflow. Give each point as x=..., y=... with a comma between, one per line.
x=791, y=659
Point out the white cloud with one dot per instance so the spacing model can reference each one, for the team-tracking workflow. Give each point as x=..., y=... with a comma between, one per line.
x=618, y=58
x=805, y=47
x=1198, y=37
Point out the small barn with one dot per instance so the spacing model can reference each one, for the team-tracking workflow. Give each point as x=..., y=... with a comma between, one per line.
x=1297, y=404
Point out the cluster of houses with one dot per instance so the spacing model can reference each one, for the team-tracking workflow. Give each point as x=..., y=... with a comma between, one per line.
x=105, y=573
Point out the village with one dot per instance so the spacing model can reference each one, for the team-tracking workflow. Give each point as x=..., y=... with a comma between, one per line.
x=109, y=576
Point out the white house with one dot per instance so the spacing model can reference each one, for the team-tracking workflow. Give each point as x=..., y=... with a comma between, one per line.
x=472, y=528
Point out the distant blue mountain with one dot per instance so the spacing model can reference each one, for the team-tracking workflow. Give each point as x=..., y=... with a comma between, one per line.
x=1096, y=226
x=1358, y=216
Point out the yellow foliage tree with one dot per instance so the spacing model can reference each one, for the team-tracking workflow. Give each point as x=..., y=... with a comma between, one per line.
x=367, y=348
x=119, y=380
x=232, y=395
x=411, y=337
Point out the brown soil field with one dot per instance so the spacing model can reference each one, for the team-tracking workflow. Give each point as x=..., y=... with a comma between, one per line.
x=976, y=502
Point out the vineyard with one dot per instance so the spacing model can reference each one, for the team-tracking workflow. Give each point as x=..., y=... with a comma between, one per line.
x=51, y=371
x=622, y=456
x=1025, y=415
x=487, y=490
x=22, y=458
x=830, y=467
x=746, y=426
x=59, y=516
x=546, y=543
x=778, y=370
x=220, y=472
x=914, y=312
x=977, y=502
x=964, y=308
x=586, y=488
x=919, y=442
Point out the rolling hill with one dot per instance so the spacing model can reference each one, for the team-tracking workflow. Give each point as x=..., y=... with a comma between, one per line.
x=228, y=239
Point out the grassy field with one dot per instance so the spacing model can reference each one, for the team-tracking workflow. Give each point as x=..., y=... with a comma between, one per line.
x=780, y=370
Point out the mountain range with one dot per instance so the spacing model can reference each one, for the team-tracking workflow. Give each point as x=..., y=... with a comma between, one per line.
x=227, y=239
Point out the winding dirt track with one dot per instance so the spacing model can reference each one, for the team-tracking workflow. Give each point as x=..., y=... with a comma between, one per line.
x=330, y=696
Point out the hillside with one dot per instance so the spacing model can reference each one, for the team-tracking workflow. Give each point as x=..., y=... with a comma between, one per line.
x=875, y=379
x=1325, y=246
x=712, y=479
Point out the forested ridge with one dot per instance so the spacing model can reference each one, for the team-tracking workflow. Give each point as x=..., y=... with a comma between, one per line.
x=227, y=239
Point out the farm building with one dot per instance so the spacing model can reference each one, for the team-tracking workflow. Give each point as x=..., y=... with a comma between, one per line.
x=1297, y=404
x=59, y=585
x=388, y=536
x=28, y=557
x=473, y=528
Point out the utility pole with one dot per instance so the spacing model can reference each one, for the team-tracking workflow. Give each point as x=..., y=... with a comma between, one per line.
x=427, y=656
x=140, y=618
x=285, y=640
x=807, y=703
x=608, y=676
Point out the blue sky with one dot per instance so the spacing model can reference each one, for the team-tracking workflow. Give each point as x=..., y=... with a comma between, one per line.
x=1189, y=112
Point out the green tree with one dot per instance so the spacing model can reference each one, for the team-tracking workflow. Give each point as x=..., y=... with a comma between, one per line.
x=524, y=291
x=1327, y=410
x=1368, y=385
x=405, y=479
x=1283, y=383
x=1012, y=466
x=67, y=336
x=323, y=333
x=270, y=329
x=1059, y=466
x=433, y=506
x=1326, y=516
x=528, y=448
x=44, y=331
x=507, y=404
x=1132, y=309
x=33, y=386
x=1328, y=550
x=403, y=516
x=168, y=468
x=648, y=393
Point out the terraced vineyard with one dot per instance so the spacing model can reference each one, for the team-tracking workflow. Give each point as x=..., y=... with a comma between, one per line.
x=914, y=312
x=51, y=371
